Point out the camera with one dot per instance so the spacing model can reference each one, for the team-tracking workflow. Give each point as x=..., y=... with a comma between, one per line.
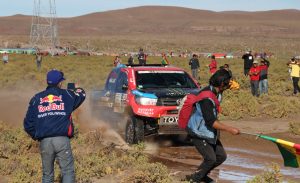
x=71, y=86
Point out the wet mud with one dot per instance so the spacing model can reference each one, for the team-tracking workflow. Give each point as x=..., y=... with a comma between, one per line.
x=247, y=156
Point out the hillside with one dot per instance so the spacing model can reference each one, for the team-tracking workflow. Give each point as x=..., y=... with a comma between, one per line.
x=167, y=20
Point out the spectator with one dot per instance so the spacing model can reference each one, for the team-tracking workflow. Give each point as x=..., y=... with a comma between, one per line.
x=48, y=120
x=213, y=65
x=5, y=58
x=254, y=73
x=234, y=85
x=226, y=67
x=194, y=63
x=295, y=74
x=142, y=57
x=117, y=61
x=264, y=55
x=38, y=59
x=263, y=76
x=164, y=60
x=248, y=61
x=130, y=60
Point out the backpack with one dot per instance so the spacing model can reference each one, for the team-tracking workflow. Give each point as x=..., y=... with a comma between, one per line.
x=187, y=105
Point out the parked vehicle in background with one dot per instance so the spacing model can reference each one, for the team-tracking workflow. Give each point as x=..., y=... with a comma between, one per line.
x=147, y=96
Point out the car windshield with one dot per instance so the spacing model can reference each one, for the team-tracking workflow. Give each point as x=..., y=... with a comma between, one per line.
x=163, y=79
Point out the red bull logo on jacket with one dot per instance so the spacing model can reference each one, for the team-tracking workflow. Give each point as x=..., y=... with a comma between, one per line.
x=51, y=106
x=51, y=99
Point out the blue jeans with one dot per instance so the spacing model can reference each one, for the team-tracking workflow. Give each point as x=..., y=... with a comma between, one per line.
x=254, y=88
x=57, y=148
x=263, y=86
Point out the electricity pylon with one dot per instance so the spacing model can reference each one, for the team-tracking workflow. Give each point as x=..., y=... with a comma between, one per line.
x=44, y=32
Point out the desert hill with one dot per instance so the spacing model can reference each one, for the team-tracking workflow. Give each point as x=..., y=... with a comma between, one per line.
x=154, y=20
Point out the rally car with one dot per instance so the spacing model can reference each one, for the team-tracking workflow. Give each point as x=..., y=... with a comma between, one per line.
x=147, y=96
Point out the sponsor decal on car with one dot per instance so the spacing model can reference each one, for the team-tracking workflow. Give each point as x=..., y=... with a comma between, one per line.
x=145, y=111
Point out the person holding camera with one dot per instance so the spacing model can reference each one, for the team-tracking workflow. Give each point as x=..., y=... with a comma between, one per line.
x=49, y=120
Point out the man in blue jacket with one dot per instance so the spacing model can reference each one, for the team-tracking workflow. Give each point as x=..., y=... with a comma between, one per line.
x=49, y=121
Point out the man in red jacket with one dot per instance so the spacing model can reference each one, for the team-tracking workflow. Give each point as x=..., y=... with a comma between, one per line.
x=254, y=78
x=213, y=65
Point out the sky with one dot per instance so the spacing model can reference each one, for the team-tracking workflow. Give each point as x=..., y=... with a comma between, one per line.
x=71, y=8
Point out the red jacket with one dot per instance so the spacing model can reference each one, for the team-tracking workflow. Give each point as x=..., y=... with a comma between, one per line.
x=213, y=66
x=254, y=73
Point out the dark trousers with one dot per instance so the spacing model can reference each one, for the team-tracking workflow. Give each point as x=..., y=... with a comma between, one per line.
x=246, y=72
x=254, y=88
x=142, y=62
x=213, y=156
x=296, y=84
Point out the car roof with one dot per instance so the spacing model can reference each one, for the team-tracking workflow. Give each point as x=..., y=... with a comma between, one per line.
x=154, y=67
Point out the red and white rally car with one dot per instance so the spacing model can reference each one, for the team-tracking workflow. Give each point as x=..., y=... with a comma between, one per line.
x=148, y=95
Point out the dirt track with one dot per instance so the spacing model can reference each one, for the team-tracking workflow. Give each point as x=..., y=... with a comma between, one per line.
x=247, y=155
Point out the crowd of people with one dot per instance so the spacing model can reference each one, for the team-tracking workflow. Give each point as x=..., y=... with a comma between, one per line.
x=255, y=69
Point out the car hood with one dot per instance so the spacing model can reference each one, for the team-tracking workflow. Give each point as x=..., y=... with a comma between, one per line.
x=171, y=92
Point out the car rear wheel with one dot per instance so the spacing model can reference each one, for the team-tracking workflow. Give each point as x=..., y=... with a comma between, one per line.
x=134, y=132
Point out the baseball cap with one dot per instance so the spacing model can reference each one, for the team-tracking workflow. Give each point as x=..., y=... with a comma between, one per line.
x=255, y=62
x=55, y=76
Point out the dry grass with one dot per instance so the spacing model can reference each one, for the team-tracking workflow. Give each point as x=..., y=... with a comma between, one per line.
x=91, y=72
x=20, y=160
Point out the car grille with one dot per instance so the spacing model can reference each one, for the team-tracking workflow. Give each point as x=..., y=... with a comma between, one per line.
x=167, y=102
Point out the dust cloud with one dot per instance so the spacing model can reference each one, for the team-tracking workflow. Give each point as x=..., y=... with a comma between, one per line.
x=15, y=101
x=14, y=104
x=152, y=148
x=91, y=123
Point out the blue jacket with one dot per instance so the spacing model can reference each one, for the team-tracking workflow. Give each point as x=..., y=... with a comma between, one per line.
x=49, y=112
x=197, y=125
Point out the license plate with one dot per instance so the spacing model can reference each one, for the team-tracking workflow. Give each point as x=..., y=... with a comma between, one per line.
x=168, y=120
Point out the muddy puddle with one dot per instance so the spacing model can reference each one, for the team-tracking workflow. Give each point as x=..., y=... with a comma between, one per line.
x=247, y=157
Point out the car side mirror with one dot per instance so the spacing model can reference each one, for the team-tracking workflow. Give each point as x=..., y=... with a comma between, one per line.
x=124, y=87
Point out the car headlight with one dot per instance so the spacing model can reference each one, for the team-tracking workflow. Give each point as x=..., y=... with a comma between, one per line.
x=145, y=101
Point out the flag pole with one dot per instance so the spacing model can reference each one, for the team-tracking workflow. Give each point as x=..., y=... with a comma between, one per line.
x=253, y=134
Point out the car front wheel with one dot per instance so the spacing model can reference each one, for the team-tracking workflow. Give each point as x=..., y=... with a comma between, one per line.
x=134, y=130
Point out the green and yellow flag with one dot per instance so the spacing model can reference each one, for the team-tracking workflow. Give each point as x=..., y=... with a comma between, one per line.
x=289, y=151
